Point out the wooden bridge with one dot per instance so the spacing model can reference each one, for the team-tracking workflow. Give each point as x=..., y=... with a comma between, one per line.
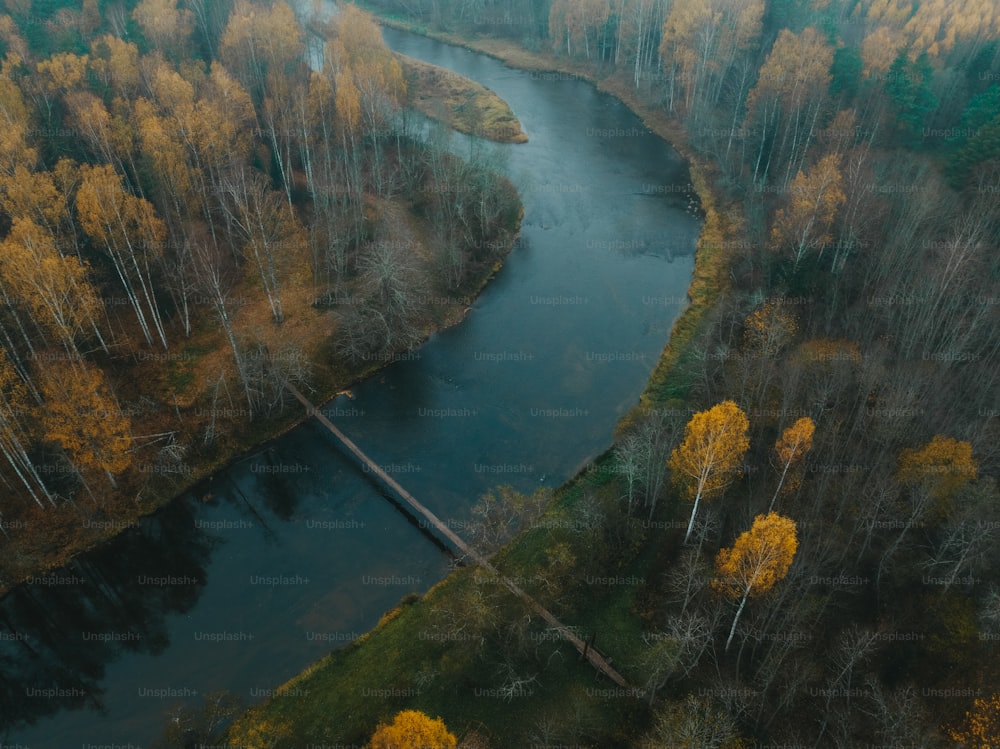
x=420, y=511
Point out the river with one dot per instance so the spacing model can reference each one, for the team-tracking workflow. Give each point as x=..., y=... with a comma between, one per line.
x=243, y=582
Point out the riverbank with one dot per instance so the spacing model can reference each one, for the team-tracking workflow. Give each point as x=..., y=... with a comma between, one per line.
x=413, y=660
x=459, y=103
x=723, y=222
x=210, y=432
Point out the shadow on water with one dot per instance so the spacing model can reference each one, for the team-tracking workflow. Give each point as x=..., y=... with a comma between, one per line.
x=61, y=633
x=297, y=551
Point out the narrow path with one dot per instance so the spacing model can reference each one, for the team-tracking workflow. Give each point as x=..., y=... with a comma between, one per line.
x=591, y=654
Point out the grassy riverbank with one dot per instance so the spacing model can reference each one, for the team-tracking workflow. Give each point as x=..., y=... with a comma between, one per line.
x=459, y=103
x=187, y=385
x=723, y=222
x=437, y=670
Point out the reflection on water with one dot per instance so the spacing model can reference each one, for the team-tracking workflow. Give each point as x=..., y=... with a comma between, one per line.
x=296, y=551
x=60, y=633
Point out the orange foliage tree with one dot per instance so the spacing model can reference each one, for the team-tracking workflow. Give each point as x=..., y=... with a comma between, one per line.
x=981, y=727
x=55, y=289
x=132, y=234
x=814, y=199
x=758, y=559
x=708, y=458
x=80, y=414
x=412, y=729
x=942, y=466
x=789, y=95
x=793, y=444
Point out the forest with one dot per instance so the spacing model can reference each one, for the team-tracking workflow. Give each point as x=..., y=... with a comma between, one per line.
x=200, y=204
x=793, y=541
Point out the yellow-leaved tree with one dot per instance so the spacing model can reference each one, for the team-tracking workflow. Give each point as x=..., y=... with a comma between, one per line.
x=14, y=433
x=132, y=234
x=814, y=199
x=360, y=52
x=766, y=331
x=708, y=458
x=412, y=729
x=758, y=559
x=54, y=289
x=166, y=28
x=941, y=467
x=793, y=444
x=981, y=727
x=80, y=414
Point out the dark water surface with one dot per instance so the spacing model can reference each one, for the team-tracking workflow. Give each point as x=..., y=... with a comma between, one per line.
x=285, y=555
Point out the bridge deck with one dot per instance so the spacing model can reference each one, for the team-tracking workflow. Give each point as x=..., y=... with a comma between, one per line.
x=590, y=653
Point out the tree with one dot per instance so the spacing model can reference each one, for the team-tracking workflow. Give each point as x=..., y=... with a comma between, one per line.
x=814, y=199
x=115, y=63
x=766, y=331
x=942, y=466
x=578, y=22
x=55, y=289
x=14, y=411
x=15, y=120
x=793, y=444
x=130, y=231
x=80, y=414
x=109, y=137
x=57, y=76
x=214, y=277
x=967, y=536
x=267, y=229
x=260, y=39
x=981, y=727
x=371, y=78
x=694, y=723
x=786, y=102
x=674, y=651
x=933, y=475
x=166, y=28
x=412, y=729
x=385, y=315
x=708, y=459
x=31, y=195
x=502, y=513
x=641, y=455
x=908, y=85
x=758, y=559
x=700, y=43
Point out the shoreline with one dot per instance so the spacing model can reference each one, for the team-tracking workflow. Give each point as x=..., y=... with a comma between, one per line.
x=459, y=102
x=256, y=439
x=707, y=288
x=708, y=281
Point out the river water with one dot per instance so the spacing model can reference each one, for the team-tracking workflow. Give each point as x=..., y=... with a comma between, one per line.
x=285, y=555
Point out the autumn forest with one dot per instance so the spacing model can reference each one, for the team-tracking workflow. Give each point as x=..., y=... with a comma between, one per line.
x=182, y=218
x=793, y=539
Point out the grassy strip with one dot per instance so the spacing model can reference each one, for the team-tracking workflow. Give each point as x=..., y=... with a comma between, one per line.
x=460, y=103
x=407, y=662
x=394, y=652
x=722, y=223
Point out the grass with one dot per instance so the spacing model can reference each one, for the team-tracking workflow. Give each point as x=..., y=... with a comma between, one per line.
x=615, y=615
x=722, y=222
x=403, y=664
x=460, y=103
